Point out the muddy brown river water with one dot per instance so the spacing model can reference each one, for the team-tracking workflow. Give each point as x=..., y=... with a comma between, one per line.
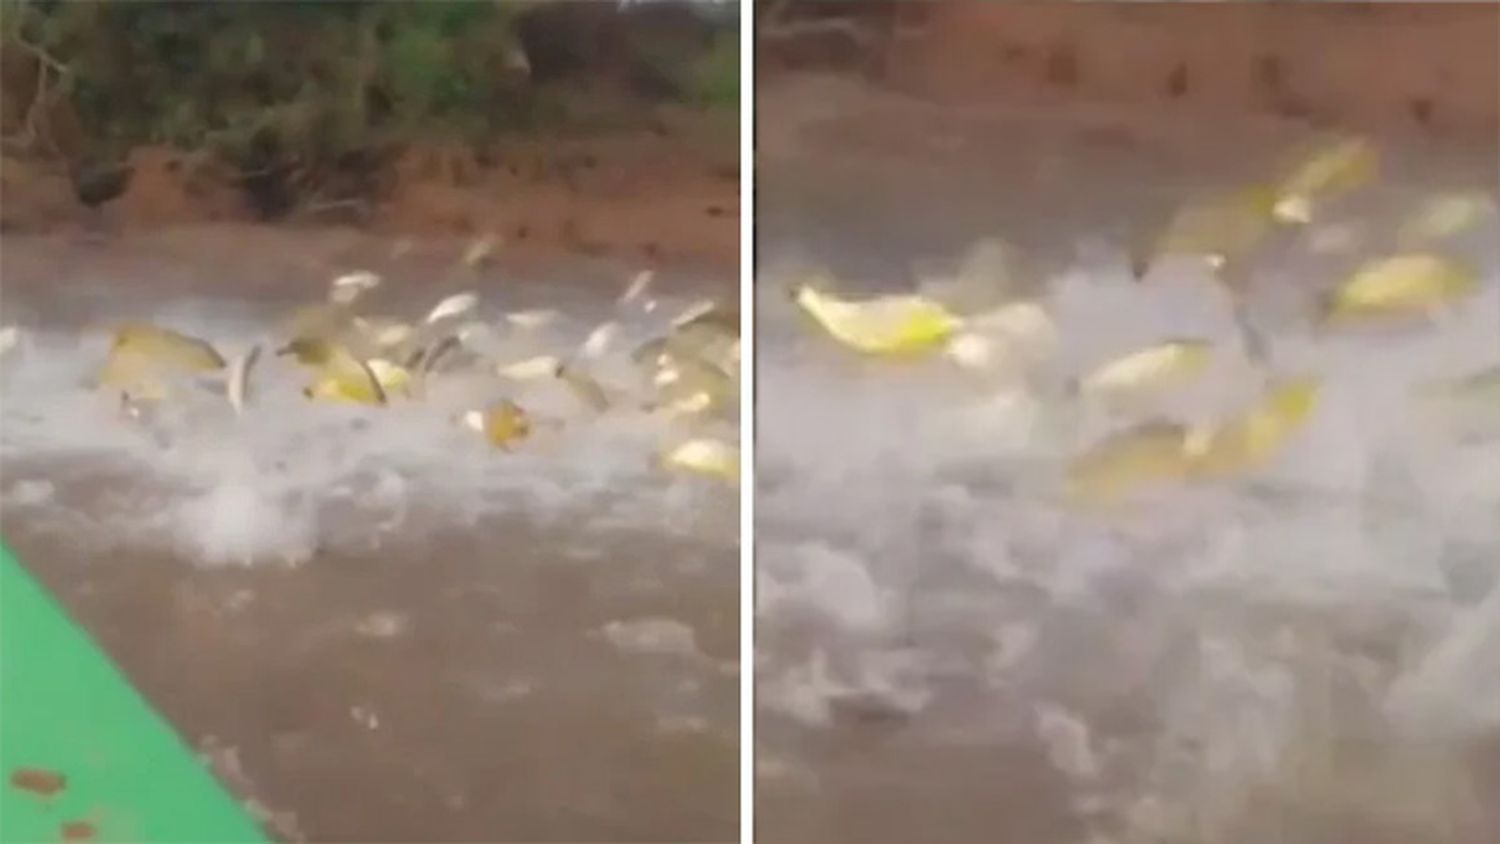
x=375, y=627
x=948, y=653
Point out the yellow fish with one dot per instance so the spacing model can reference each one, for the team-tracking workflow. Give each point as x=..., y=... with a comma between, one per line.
x=1172, y=362
x=886, y=325
x=706, y=457
x=1149, y=454
x=503, y=424
x=340, y=375
x=337, y=390
x=1222, y=230
x=134, y=375
x=688, y=386
x=691, y=404
x=391, y=377
x=1444, y=216
x=531, y=369
x=1253, y=439
x=143, y=357
x=169, y=348
x=1401, y=284
x=1338, y=167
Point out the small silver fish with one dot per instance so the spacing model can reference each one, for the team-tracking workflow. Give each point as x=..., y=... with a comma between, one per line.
x=456, y=305
x=599, y=340
x=637, y=287
x=237, y=387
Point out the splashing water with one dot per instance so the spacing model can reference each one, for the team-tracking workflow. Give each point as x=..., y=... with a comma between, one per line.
x=394, y=597
x=1295, y=654
x=292, y=477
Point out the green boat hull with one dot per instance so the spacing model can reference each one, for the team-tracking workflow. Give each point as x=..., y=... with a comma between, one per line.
x=84, y=756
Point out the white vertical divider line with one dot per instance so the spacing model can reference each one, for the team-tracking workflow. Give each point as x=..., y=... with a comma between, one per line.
x=747, y=421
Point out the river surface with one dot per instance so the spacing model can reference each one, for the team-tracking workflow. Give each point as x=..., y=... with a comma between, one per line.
x=947, y=651
x=373, y=625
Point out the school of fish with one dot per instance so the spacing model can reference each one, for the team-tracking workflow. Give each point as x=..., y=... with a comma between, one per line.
x=982, y=321
x=688, y=376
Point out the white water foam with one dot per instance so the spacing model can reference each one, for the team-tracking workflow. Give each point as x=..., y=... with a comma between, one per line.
x=1187, y=655
x=292, y=477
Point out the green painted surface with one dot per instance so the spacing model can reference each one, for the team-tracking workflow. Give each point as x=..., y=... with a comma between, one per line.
x=65, y=709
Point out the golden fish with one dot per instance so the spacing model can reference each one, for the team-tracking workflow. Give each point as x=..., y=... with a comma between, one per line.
x=1172, y=362
x=886, y=325
x=340, y=390
x=688, y=386
x=1222, y=230
x=531, y=369
x=691, y=404
x=503, y=424
x=136, y=376
x=143, y=357
x=1401, y=284
x=169, y=348
x=341, y=376
x=1250, y=441
x=391, y=377
x=706, y=457
x=1338, y=167
x=1149, y=454
x=1444, y=216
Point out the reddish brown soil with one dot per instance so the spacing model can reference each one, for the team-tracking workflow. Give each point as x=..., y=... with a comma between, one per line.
x=669, y=195
x=1427, y=68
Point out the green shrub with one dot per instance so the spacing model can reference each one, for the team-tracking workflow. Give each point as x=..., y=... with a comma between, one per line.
x=304, y=91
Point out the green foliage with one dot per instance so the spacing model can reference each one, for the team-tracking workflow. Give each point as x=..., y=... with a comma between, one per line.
x=715, y=78
x=302, y=89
